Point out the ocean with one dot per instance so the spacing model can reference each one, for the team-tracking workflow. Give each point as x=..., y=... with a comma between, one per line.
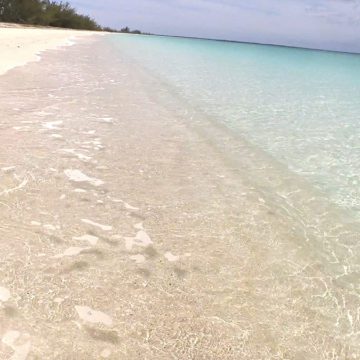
x=181, y=198
x=302, y=107
x=286, y=123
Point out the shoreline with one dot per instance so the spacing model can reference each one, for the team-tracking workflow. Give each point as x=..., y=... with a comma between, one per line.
x=20, y=45
x=127, y=227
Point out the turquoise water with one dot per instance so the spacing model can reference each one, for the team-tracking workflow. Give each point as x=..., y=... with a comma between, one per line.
x=302, y=107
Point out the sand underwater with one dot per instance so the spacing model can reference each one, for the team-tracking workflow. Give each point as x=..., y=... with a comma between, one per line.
x=128, y=231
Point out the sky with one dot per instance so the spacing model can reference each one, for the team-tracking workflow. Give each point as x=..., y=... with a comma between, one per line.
x=323, y=24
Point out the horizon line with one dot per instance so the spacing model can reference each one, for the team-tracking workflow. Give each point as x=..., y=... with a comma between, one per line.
x=253, y=43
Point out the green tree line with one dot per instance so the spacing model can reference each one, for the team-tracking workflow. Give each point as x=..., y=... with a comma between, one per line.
x=49, y=13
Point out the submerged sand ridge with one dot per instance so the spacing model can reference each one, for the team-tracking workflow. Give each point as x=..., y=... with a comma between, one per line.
x=131, y=235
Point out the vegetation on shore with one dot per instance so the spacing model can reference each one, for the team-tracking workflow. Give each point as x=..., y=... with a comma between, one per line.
x=50, y=13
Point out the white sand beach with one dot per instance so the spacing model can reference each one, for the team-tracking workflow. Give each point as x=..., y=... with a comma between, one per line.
x=20, y=45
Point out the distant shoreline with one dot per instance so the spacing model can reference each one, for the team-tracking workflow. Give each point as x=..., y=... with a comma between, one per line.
x=10, y=25
x=24, y=26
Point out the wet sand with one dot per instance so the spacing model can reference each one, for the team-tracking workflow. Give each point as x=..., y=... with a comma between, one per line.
x=127, y=234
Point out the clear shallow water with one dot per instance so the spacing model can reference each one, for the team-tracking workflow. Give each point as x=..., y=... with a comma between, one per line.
x=247, y=261
x=302, y=107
